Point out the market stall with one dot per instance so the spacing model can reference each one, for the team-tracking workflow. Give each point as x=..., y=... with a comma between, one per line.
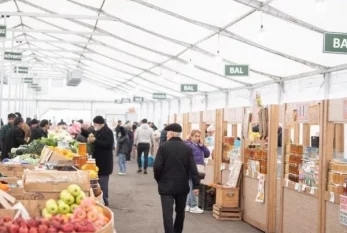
x=334, y=167
x=259, y=144
x=302, y=132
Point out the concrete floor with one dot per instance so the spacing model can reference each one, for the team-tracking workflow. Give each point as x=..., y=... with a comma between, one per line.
x=136, y=205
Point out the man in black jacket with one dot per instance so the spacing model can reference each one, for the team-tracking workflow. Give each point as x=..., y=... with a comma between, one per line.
x=102, y=152
x=14, y=137
x=41, y=132
x=173, y=165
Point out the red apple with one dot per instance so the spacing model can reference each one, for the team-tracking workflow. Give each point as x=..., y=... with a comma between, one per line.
x=13, y=228
x=7, y=218
x=33, y=222
x=68, y=227
x=52, y=230
x=33, y=230
x=55, y=224
x=92, y=215
x=42, y=228
x=23, y=229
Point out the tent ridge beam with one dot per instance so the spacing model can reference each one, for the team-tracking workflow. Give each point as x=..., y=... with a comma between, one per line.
x=232, y=35
x=280, y=15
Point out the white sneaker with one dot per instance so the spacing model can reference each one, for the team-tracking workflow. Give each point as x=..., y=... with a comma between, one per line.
x=187, y=208
x=196, y=210
x=121, y=174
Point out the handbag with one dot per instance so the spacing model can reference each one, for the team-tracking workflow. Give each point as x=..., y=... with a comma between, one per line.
x=201, y=171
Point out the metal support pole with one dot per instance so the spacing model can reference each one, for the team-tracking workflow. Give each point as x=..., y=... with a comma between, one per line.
x=227, y=99
x=161, y=113
x=179, y=106
x=251, y=97
x=326, y=83
x=280, y=92
x=2, y=75
x=190, y=104
x=206, y=102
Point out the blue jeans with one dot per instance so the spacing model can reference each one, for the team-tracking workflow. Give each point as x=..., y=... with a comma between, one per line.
x=122, y=163
x=191, y=198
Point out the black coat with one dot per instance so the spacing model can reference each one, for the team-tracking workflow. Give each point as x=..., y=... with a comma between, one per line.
x=131, y=140
x=162, y=137
x=173, y=165
x=123, y=145
x=103, y=147
x=13, y=139
x=37, y=133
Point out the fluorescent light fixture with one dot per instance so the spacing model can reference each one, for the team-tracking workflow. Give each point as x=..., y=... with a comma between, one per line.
x=218, y=58
x=261, y=33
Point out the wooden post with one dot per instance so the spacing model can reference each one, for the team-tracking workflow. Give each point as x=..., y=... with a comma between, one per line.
x=296, y=133
x=339, y=137
x=272, y=168
x=325, y=145
x=202, y=126
x=218, y=147
x=234, y=130
x=185, y=125
x=306, y=135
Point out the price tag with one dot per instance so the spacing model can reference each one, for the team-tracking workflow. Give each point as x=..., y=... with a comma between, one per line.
x=332, y=197
x=297, y=187
x=303, y=187
x=287, y=183
x=312, y=191
x=247, y=172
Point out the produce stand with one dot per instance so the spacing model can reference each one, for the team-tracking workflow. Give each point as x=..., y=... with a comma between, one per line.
x=259, y=178
x=300, y=190
x=333, y=166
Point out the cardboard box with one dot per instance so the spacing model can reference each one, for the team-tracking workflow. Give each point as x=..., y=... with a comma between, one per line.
x=42, y=181
x=43, y=195
x=15, y=167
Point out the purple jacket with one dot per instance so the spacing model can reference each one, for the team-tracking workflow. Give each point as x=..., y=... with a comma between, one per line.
x=199, y=152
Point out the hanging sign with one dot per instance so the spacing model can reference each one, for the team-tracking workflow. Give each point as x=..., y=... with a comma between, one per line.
x=12, y=56
x=21, y=69
x=2, y=30
x=118, y=101
x=302, y=112
x=28, y=80
x=126, y=100
x=189, y=87
x=237, y=70
x=159, y=96
x=343, y=210
x=335, y=43
x=261, y=189
x=138, y=99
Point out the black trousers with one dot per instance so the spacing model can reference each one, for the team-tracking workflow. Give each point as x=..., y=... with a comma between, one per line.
x=167, y=203
x=143, y=148
x=103, y=181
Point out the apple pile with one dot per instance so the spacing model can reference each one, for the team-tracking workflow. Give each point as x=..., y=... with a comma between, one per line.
x=70, y=198
x=57, y=224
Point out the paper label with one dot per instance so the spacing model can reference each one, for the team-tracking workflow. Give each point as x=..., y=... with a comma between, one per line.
x=247, y=172
x=332, y=197
x=303, y=187
x=261, y=190
x=287, y=183
x=297, y=186
x=343, y=210
x=312, y=191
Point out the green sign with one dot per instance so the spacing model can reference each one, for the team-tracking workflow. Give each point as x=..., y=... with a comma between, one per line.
x=159, y=96
x=335, y=43
x=138, y=99
x=21, y=70
x=236, y=70
x=126, y=100
x=13, y=56
x=189, y=87
x=2, y=31
x=28, y=80
x=118, y=101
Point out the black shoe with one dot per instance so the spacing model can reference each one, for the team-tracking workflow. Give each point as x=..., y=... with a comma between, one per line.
x=106, y=203
x=139, y=171
x=145, y=173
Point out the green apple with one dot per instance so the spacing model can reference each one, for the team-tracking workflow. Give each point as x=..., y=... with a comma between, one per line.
x=52, y=207
x=80, y=197
x=45, y=214
x=64, y=208
x=72, y=207
x=63, y=193
x=74, y=190
x=68, y=199
x=50, y=202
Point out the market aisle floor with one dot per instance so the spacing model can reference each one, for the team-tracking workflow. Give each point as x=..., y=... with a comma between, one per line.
x=136, y=205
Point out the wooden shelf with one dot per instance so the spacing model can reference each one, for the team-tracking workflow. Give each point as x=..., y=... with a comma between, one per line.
x=291, y=186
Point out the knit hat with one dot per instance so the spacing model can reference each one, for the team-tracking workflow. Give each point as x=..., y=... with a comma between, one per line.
x=34, y=122
x=173, y=128
x=99, y=120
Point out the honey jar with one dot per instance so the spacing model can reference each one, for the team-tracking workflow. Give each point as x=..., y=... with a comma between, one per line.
x=90, y=166
x=82, y=149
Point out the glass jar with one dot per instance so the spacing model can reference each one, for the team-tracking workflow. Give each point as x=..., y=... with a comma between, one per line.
x=90, y=166
x=82, y=149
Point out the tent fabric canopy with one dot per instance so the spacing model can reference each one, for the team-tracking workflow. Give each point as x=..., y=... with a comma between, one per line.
x=154, y=46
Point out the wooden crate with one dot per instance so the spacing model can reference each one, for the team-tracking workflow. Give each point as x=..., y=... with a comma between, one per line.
x=227, y=197
x=227, y=214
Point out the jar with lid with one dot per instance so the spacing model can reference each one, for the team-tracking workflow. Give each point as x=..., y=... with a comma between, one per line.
x=90, y=166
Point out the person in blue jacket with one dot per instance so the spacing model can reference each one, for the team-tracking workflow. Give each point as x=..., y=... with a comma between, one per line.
x=200, y=152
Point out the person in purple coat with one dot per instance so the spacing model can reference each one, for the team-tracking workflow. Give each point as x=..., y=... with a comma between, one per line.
x=200, y=152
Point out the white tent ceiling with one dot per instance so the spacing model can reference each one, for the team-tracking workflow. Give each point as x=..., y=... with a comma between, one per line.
x=129, y=44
